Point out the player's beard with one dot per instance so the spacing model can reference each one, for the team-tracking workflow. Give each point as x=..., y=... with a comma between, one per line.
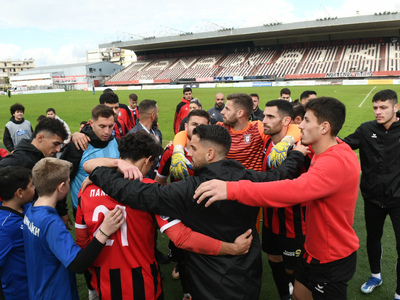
x=271, y=131
x=198, y=164
x=230, y=123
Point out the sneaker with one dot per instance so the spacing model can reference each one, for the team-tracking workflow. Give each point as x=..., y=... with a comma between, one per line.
x=175, y=273
x=187, y=296
x=370, y=285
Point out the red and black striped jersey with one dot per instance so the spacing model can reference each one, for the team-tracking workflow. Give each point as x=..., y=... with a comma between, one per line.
x=165, y=163
x=120, y=128
x=286, y=221
x=126, y=267
x=126, y=115
x=247, y=145
x=182, y=110
x=135, y=115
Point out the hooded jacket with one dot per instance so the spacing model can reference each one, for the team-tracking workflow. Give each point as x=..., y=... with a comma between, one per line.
x=219, y=277
x=25, y=155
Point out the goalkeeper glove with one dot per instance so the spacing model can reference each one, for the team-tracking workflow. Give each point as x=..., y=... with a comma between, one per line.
x=279, y=152
x=179, y=163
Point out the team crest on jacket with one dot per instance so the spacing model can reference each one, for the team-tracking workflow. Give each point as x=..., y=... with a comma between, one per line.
x=247, y=138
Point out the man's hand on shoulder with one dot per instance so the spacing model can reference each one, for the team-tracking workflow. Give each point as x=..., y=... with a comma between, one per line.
x=85, y=184
x=303, y=149
x=130, y=171
x=216, y=189
x=80, y=140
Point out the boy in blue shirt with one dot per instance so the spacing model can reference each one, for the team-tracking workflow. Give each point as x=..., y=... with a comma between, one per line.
x=16, y=191
x=52, y=257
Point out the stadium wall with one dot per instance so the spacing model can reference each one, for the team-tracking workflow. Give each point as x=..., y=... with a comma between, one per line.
x=258, y=84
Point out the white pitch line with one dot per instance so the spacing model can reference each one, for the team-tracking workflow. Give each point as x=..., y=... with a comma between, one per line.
x=367, y=97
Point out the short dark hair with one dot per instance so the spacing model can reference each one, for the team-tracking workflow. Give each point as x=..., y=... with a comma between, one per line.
x=41, y=117
x=187, y=89
x=140, y=144
x=255, y=95
x=107, y=90
x=146, y=106
x=133, y=97
x=15, y=107
x=101, y=110
x=285, y=91
x=216, y=134
x=242, y=100
x=307, y=94
x=385, y=95
x=109, y=98
x=328, y=109
x=285, y=108
x=199, y=113
x=13, y=178
x=298, y=110
x=51, y=109
x=53, y=126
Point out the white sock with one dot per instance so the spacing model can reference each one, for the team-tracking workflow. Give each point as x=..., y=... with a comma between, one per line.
x=396, y=296
x=377, y=275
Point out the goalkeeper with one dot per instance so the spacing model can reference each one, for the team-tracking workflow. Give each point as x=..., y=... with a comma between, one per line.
x=175, y=162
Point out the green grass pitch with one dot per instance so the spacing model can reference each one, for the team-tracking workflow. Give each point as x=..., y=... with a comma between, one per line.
x=75, y=106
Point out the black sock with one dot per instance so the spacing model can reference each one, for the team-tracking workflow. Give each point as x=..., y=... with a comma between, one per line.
x=280, y=278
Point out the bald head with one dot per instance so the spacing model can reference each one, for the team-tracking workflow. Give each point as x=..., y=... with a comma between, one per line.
x=219, y=100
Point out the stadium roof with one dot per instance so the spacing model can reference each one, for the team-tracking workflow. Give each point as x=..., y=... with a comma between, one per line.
x=385, y=25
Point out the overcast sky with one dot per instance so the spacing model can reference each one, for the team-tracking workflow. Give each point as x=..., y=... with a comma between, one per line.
x=59, y=32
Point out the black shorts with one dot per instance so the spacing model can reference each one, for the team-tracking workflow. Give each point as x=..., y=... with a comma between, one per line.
x=327, y=281
x=289, y=248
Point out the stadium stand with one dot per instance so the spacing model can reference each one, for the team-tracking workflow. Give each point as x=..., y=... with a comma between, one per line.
x=178, y=68
x=286, y=63
x=291, y=61
x=392, y=57
x=261, y=57
x=235, y=59
x=235, y=64
x=127, y=73
x=360, y=58
x=319, y=60
x=204, y=67
x=153, y=69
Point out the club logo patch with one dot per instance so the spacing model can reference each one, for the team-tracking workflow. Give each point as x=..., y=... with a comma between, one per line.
x=247, y=138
